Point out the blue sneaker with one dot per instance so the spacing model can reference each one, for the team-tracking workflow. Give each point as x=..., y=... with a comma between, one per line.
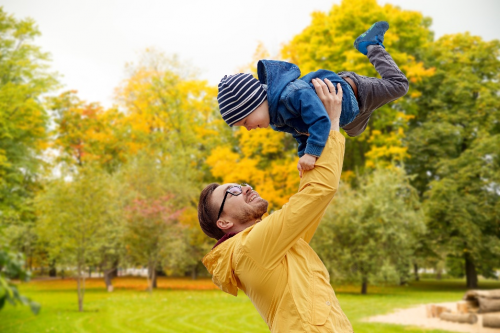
x=372, y=36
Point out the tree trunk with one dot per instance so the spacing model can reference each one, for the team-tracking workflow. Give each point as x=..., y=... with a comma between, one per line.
x=364, y=286
x=155, y=280
x=108, y=279
x=52, y=269
x=80, y=282
x=194, y=272
x=152, y=280
x=90, y=272
x=152, y=276
x=415, y=271
x=470, y=272
x=114, y=271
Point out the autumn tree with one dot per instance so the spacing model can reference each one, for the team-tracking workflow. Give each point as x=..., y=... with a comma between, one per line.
x=170, y=113
x=87, y=133
x=369, y=233
x=151, y=214
x=24, y=79
x=453, y=143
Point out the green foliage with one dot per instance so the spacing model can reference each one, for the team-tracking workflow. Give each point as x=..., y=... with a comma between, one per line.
x=76, y=219
x=12, y=267
x=454, y=144
x=369, y=233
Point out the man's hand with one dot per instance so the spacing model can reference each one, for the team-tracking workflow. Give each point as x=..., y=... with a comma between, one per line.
x=331, y=100
x=306, y=163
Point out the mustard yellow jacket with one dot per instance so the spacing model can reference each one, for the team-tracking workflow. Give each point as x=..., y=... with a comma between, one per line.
x=273, y=263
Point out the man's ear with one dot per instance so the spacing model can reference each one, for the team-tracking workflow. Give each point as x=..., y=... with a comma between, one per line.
x=224, y=225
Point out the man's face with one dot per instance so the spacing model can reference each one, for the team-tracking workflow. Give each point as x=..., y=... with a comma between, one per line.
x=242, y=209
x=259, y=118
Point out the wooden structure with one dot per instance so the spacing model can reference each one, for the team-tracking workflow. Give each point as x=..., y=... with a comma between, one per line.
x=469, y=318
x=491, y=320
x=485, y=300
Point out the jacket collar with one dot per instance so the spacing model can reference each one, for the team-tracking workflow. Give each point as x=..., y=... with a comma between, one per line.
x=225, y=238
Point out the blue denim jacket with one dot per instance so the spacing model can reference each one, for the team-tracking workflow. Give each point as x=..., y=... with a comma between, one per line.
x=294, y=106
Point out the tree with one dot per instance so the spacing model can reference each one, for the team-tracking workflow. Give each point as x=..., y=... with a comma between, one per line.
x=369, y=233
x=24, y=79
x=454, y=143
x=171, y=114
x=150, y=232
x=88, y=133
x=327, y=43
x=74, y=216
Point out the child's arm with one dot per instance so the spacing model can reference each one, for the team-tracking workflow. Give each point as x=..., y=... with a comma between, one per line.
x=307, y=104
x=302, y=141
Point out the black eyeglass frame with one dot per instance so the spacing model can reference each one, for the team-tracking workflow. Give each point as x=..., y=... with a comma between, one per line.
x=234, y=195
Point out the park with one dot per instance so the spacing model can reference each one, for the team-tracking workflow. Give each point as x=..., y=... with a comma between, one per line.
x=99, y=199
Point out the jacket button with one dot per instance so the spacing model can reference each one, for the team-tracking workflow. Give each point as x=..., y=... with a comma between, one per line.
x=328, y=303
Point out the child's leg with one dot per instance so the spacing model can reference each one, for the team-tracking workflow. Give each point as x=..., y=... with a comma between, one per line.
x=374, y=93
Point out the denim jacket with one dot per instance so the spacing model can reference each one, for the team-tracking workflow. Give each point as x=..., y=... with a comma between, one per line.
x=294, y=106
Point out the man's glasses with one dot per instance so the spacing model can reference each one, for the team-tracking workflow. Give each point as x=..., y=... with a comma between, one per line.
x=234, y=190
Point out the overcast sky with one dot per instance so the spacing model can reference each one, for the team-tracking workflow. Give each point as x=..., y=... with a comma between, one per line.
x=91, y=40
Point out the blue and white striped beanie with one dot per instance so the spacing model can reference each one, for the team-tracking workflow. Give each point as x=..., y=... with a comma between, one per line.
x=239, y=95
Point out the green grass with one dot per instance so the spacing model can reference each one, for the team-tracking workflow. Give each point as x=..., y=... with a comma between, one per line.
x=199, y=310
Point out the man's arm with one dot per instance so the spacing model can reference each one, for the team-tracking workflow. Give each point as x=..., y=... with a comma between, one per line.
x=270, y=239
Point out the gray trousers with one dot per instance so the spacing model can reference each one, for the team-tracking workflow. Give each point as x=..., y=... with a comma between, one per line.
x=373, y=92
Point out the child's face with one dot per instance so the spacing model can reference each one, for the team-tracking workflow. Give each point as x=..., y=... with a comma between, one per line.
x=257, y=119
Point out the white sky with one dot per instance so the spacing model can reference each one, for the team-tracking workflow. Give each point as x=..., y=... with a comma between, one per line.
x=91, y=40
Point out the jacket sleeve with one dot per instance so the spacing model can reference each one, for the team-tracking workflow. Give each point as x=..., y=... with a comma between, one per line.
x=314, y=115
x=270, y=239
x=302, y=141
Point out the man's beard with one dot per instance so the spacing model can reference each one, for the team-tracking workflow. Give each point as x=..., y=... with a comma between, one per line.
x=254, y=212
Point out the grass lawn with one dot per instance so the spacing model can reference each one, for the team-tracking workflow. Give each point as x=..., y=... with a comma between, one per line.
x=182, y=305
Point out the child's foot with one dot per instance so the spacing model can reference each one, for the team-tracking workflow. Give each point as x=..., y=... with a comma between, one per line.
x=372, y=36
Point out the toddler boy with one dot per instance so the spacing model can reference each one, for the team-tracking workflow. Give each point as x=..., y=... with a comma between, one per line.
x=289, y=104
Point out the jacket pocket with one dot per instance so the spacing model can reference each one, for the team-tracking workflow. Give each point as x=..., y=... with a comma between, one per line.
x=321, y=299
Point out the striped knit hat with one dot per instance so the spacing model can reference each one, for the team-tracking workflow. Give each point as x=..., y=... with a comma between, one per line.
x=239, y=95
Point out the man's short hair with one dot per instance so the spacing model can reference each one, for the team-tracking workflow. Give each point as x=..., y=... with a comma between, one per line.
x=207, y=213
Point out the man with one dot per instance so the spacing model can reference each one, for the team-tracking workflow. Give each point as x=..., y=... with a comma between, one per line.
x=271, y=260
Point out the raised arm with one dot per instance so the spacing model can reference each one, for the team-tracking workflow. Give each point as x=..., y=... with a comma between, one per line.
x=333, y=104
x=270, y=239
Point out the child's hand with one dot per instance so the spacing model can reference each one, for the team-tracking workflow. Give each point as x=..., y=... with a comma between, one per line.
x=306, y=163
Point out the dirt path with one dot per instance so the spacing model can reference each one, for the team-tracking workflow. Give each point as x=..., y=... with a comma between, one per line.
x=417, y=317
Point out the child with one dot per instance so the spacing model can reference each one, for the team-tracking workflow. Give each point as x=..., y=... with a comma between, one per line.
x=289, y=104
